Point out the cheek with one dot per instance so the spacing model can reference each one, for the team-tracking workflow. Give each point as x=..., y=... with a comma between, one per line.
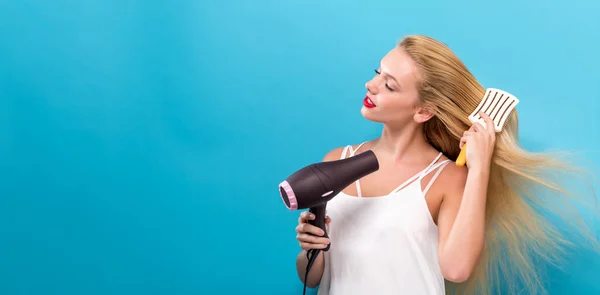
x=396, y=103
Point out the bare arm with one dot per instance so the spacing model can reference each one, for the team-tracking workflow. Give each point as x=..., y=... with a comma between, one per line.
x=461, y=220
x=316, y=271
x=461, y=223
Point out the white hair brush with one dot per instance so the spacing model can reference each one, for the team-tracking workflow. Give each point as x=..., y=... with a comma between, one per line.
x=498, y=105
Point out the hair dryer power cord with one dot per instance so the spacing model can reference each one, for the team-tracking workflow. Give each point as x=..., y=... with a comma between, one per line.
x=312, y=255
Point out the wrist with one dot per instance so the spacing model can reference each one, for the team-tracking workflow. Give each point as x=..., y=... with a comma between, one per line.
x=479, y=170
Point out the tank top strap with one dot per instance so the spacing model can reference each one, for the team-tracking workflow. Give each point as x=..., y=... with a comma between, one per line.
x=345, y=151
x=352, y=150
x=417, y=176
x=439, y=166
x=428, y=169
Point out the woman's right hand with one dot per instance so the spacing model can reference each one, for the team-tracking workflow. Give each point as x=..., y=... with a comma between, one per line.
x=310, y=236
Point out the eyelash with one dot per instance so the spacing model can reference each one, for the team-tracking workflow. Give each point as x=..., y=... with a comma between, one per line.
x=386, y=84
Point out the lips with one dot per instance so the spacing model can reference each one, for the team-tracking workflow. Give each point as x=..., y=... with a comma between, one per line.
x=367, y=102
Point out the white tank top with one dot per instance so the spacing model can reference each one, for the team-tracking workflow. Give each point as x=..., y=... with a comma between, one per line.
x=383, y=245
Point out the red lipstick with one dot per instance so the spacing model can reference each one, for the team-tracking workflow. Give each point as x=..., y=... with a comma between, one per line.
x=367, y=102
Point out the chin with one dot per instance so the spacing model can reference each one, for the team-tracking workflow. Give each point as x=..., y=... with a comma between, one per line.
x=368, y=114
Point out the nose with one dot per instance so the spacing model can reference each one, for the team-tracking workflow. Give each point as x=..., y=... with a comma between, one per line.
x=371, y=87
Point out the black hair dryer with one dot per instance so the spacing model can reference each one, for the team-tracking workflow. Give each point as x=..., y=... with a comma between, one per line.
x=316, y=184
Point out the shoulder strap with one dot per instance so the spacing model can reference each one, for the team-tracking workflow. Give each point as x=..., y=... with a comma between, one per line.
x=353, y=151
x=345, y=151
x=418, y=176
x=439, y=166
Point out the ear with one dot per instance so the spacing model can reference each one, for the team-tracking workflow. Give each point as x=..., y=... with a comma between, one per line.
x=424, y=113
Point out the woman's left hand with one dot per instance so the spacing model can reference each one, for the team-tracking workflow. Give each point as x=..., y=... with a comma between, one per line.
x=480, y=143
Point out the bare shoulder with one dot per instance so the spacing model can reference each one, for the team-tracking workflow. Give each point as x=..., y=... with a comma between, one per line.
x=334, y=154
x=453, y=180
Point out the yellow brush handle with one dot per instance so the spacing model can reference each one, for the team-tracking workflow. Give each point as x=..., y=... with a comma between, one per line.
x=462, y=157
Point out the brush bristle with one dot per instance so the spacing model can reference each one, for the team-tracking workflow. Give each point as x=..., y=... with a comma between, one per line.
x=498, y=105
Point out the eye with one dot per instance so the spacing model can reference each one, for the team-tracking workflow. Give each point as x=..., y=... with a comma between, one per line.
x=386, y=84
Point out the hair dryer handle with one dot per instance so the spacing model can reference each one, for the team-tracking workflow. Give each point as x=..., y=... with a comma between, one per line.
x=319, y=221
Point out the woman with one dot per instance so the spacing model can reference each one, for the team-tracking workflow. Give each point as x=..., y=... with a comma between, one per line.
x=421, y=224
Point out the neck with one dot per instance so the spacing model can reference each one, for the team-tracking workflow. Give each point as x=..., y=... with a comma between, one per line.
x=403, y=144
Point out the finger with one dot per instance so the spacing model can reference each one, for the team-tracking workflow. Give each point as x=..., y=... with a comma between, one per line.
x=305, y=217
x=308, y=246
x=477, y=127
x=488, y=122
x=309, y=228
x=306, y=238
x=463, y=140
x=327, y=219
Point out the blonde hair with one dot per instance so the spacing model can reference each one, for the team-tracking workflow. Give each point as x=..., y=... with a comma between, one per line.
x=523, y=186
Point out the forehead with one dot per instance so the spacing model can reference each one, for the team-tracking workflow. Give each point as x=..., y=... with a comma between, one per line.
x=399, y=65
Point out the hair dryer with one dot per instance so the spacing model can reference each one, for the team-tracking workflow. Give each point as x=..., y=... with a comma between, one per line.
x=316, y=184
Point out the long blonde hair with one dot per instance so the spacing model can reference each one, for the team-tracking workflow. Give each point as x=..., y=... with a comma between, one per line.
x=524, y=187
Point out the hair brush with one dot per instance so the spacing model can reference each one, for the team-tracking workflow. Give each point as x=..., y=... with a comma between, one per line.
x=497, y=104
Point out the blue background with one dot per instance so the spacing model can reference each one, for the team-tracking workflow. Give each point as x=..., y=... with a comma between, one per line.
x=141, y=142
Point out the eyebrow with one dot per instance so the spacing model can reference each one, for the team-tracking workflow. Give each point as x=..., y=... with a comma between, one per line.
x=400, y=86
x=388, y=74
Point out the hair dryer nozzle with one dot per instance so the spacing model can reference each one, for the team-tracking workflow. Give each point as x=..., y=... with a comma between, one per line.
x=318, y=183
x=288, y=196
